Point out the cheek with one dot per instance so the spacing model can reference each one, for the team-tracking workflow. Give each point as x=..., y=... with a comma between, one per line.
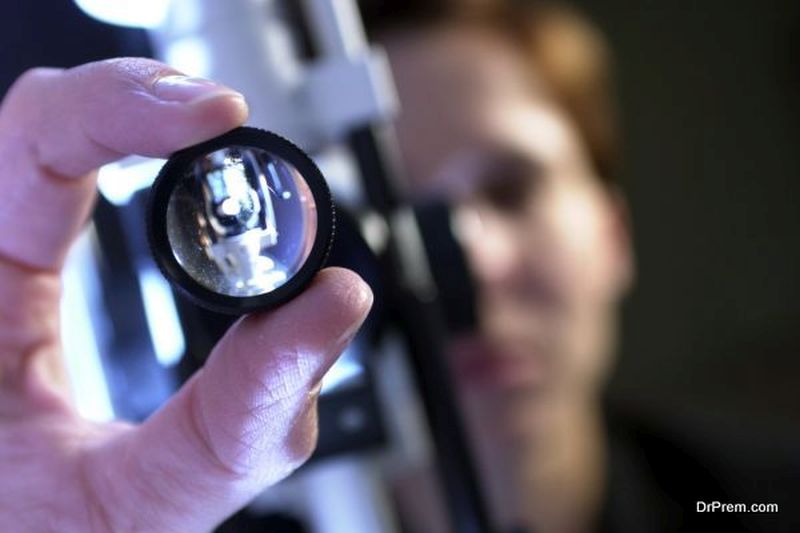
x=581, y=246
x=579, y=229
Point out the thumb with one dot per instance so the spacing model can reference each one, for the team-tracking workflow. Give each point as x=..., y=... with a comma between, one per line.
x=248, y=418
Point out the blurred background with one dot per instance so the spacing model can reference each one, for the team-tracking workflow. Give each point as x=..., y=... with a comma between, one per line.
x=709, y=100
x=710, y=122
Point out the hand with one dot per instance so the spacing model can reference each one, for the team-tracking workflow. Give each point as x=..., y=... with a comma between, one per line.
x=243, y=422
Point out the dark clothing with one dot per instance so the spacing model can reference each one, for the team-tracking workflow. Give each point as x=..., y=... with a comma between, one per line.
x=659, y=470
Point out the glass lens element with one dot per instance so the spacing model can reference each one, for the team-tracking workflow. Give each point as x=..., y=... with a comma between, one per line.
x=241, y=221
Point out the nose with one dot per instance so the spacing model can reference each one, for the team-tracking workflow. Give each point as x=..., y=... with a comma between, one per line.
x=491, y=244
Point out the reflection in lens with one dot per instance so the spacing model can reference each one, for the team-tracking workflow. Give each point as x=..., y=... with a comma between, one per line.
x=241, y=221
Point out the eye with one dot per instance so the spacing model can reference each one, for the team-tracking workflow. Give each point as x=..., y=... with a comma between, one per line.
x=509, y=180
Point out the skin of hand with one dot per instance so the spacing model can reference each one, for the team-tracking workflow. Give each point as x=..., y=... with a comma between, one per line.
x=244, y=421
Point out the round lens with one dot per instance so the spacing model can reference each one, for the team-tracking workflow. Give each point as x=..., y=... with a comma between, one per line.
x=241, y=221
x=240, y=218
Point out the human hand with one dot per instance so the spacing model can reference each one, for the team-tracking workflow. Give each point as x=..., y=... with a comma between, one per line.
x=241, y=423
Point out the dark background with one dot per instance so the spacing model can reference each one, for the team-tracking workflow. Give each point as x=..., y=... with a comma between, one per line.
x=709, y=100
x=709, y=97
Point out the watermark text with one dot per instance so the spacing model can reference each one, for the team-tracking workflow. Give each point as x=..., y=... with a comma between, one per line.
x=722, y=507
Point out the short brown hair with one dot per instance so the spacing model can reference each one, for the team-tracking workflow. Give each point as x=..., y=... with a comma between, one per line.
x=562, y=47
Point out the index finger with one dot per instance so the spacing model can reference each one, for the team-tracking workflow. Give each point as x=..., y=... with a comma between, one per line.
x=57, y=126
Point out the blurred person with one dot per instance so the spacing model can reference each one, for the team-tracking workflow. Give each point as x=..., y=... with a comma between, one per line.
x=243, y=422
x=507, y=115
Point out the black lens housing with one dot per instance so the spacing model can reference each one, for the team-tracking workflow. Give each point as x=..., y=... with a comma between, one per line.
x=176, y=168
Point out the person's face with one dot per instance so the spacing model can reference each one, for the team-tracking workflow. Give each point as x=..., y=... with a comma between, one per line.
x=546, y=241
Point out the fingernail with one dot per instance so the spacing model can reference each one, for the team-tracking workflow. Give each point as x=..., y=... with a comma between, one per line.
x=190, y=90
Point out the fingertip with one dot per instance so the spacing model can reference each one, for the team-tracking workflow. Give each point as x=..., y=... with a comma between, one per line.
x=225, y=105
x=348, y=287
x=325, y=316
x=319, y=323
x=321, y=320
x=141, y=106
x=214, y=114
